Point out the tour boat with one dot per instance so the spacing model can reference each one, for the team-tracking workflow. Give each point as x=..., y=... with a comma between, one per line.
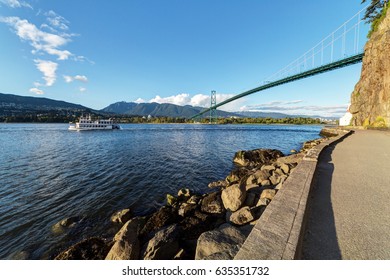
x=86, y=123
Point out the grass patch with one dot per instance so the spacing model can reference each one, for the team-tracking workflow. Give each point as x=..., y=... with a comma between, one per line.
x=379, y=122
x=377, y=21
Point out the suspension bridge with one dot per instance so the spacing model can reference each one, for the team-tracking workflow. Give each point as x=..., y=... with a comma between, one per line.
x=341, y=48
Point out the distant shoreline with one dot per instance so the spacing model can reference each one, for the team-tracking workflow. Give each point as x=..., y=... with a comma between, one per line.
x=189, y=123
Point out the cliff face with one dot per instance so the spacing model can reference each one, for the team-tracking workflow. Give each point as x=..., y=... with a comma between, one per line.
x=370, y=100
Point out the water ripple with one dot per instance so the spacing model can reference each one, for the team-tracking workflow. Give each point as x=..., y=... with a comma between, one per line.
x=48, y=173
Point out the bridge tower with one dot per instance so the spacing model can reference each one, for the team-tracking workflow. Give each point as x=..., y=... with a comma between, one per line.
x=213, y=110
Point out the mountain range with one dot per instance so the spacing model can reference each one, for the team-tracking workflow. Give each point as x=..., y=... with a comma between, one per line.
x=11, y=105
x=159, y=110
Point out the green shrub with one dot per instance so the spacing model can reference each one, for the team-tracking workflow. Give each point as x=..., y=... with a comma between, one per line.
x=375, y=23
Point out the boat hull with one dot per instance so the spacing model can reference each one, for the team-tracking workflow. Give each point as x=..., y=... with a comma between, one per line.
x=73, y=128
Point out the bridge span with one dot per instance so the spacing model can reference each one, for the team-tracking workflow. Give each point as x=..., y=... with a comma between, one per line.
x=341, y=48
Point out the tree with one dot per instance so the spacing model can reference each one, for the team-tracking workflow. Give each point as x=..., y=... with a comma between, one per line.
x=374, y=10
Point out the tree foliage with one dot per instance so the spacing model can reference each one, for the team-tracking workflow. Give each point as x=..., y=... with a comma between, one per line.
x=374, y=10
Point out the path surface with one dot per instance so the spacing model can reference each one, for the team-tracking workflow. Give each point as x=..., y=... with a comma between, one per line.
x=349, y=214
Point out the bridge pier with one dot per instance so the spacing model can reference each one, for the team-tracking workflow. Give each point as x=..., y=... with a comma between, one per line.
x=213, y=109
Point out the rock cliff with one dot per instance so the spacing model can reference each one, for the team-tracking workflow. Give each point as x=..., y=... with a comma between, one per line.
x=370, y=100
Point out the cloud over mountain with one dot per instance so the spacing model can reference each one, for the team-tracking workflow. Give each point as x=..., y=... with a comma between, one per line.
x=198, y=100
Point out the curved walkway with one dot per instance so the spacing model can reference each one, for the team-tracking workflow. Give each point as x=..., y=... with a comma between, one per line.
x=349, y=214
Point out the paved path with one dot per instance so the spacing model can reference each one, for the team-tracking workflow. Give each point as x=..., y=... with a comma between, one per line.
x=349, y=214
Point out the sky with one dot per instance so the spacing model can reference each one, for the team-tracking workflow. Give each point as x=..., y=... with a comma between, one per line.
x=96, y=53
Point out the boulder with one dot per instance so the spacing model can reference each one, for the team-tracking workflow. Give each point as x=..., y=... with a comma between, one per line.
x=282, y=180
x=262, y=175
x=285, y=168
x=278, y=172
x=226, y=239
x=164, y=245
x=251, y=180
x=310, y=144
x=233, y=197
x=222, y=256
x=69, y=222
x=256, y=157
x=265, y=183
x=171, y=200
x=257, y=190
x=257, y=211
x=121, y=217
x=218, y=184
x=242, y=216
x=236, y=175
x=263, y=201
x=291, y=160
x=250, y=187
x=268, y=193
x=195, y=199
x=186, y=209
x=65, y=224
x=195, y=225
x=127, y=244
x=93, y=248
x=232, y=178
x=166, y=215
x=279, y=186
x=212, y=203
x=274, y=179
x=251, y=199
x=19, y=255
x=326, y=132
x=184, y=194
x=268, y=167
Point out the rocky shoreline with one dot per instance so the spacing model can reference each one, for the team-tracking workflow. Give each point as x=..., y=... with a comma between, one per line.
x=208, y=226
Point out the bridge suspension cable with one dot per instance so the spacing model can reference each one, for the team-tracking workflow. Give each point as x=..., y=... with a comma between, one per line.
x=344, y=42
x=341, y=48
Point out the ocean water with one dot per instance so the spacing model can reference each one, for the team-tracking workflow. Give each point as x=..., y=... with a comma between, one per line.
x=48, y=173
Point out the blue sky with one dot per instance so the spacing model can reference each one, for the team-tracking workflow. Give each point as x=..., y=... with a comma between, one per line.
x=96, y=53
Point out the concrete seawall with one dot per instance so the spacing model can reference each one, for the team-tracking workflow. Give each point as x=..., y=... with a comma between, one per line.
x=278, y=233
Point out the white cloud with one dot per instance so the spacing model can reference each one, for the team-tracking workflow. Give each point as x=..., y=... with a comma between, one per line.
x=269, y=104
x=282, y=107
x=68, y=79
x=62, y=55
x=41, y=41
x=139, y=100
x=198, y=100
x=16, y=3
x=82, y=89
x=57, y=21
x=83, y=59
x=180, y=99
x=37, y=91
x=80, y=78
x=48, y=68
